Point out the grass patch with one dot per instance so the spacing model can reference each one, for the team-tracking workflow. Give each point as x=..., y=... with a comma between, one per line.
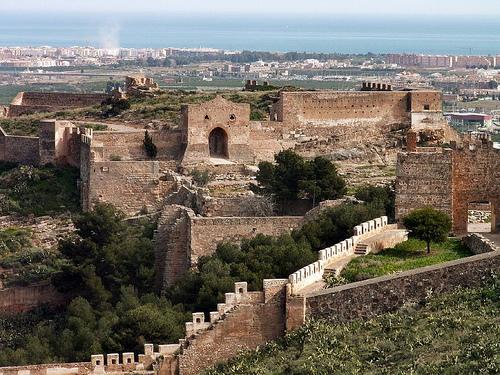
x=403, y=257
x=455, y=333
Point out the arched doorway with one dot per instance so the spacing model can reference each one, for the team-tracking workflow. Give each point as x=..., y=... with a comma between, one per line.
x=217, y=143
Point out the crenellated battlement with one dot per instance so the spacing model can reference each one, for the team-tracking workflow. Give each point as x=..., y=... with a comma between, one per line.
x=314, y=272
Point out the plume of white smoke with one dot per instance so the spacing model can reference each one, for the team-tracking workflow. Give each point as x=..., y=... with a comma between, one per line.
x=109, y=37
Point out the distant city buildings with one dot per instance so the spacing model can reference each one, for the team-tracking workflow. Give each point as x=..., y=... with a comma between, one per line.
x=437, y=61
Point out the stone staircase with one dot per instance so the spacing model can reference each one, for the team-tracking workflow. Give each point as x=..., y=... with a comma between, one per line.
x=361, y=249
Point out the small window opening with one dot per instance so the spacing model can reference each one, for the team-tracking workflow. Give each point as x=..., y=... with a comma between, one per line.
x=240, y=290
x=129, y=360
x=232, y=117
x=427, y=107
x=198, y=320
x=98, y=363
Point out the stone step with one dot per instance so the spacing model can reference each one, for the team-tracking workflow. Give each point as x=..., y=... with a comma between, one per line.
x=361, y=249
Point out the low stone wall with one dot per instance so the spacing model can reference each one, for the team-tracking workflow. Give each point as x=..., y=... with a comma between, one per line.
x=479, y=244
x=22, y=299
x=373, y=297
x=17, y=149
x=80, y=368
x=313, y=273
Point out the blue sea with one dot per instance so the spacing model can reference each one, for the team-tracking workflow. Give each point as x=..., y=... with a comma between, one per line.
x=343, y=34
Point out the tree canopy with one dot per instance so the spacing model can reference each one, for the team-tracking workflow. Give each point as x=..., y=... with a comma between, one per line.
x=291, y=177
x=428, y=224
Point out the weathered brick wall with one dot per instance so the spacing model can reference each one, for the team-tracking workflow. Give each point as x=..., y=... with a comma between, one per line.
x=423, y=179
x=21, y=299
x=206, y=232
x=129, y=185
x=377, y=296
x=246, y=327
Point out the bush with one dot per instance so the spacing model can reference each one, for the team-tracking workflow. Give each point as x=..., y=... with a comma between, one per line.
x=428, y=224
x=294, y=178
x=260, y=258
x=380, y=197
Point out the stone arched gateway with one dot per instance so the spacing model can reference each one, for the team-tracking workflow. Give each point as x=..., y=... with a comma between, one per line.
x=218, y=143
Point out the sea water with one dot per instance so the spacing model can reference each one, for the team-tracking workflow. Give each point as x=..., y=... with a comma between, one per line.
x=348, y=34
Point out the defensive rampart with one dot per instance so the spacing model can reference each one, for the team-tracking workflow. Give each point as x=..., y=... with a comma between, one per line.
x=17, y=149
x=33, y=102
x=314, y=272
x=366, y=299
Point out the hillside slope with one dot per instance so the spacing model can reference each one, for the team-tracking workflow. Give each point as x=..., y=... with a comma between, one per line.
x=456, y=333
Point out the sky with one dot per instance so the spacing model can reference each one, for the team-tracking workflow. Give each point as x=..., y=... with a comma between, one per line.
x=270, y=7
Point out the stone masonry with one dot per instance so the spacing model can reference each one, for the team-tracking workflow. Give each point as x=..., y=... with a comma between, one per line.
x=450, y=179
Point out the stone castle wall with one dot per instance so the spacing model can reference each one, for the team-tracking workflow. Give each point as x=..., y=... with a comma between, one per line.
x=314, y=108
x=207, y=232
x=172, y=245
x=199, y=120
x=33, y=102
x=128, y=145
x=254, y=319
x=424, y=179
x=450, y=179
x=17, y=149
x=369, y=298
x=479, y=244
x=131, y=186
x=476, y=178
x=58, y=142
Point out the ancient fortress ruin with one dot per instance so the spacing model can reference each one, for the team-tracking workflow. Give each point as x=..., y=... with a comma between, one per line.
x=218, y=136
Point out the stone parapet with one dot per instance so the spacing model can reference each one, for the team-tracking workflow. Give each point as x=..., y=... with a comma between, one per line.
x=313, y=273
